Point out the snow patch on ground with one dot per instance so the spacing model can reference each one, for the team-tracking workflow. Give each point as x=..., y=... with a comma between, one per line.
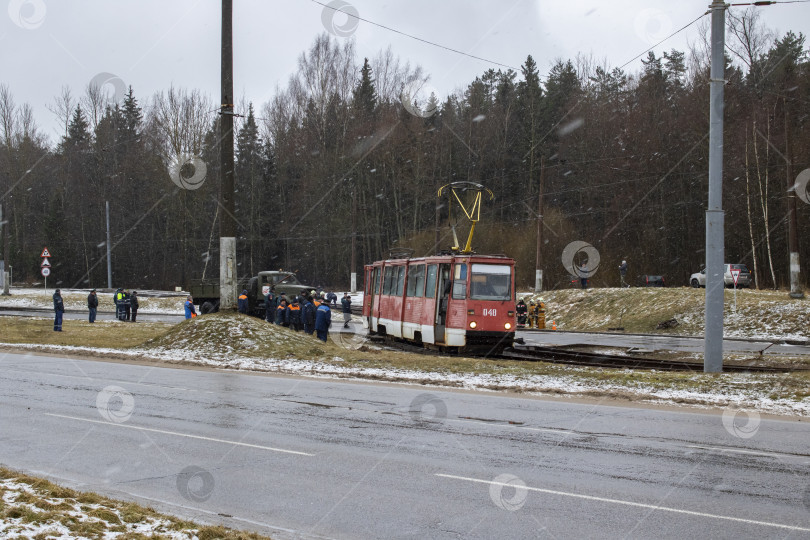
x=34, y=521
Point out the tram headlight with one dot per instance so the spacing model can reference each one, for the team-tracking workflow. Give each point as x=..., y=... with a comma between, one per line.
x=508, y=326
x=473, y=324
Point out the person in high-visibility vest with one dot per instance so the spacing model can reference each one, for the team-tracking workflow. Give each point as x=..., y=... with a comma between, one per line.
x=242, y=303
x=295, y=314
x=533, y=313
x=541, y=314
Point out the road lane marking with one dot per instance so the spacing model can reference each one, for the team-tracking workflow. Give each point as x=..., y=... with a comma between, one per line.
x=738, y=451
x=177, y=434
x=629, y=503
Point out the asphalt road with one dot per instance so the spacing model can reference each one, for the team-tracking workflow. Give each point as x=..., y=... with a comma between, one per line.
x=323, y=458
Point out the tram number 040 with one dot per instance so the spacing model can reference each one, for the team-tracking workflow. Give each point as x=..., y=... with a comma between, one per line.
x=491, y=312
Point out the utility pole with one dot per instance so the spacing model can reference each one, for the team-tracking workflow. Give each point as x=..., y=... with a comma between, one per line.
x=4, y=277
x=793, y=226
x=354, y=239
x=227, y=223
x=715, y=217
x=4, y=222
x=538, y=267
x=109, y=249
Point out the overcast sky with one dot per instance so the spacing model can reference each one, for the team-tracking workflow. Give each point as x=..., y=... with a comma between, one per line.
x=151, y=44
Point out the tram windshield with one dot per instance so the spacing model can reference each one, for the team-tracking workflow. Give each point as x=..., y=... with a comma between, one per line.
x=491, y=282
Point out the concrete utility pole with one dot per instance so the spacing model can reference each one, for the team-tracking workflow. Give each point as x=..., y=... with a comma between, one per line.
x=793, y=226
x=109, y=254
x=538, y=267
x=227, y=223
x=715, y=217
x=6, y=248
x=354, y=240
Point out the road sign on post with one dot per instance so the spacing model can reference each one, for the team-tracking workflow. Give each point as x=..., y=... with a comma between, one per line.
x=45, y=266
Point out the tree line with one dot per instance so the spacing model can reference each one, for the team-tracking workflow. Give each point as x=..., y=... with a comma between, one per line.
x=357, y=147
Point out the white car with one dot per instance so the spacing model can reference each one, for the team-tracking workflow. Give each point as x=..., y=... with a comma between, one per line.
x=743, y=280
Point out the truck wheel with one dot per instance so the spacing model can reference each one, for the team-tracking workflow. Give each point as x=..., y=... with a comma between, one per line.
x=206, y=308
x=695, y=283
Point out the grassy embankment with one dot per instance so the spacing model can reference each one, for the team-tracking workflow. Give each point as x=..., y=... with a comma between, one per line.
x=34, y=507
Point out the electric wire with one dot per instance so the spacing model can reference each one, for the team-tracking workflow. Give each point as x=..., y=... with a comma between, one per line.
x=414, y=37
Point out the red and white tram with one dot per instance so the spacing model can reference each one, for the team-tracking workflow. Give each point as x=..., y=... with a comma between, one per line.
x=459, y=302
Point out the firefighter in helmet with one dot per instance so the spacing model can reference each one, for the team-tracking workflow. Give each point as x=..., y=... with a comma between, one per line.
x=521, y=311
x=541, y=314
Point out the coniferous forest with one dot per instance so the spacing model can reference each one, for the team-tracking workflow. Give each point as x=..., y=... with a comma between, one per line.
x=352, y=142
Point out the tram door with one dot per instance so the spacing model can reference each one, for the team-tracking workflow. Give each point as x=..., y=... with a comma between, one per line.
x=443, y=289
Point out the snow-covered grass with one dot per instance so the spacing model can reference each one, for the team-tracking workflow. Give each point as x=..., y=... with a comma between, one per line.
x=76, y=299
x=35, y=508
x=759, y=314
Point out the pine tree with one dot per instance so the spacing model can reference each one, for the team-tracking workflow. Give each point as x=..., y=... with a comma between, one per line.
x=365, y=95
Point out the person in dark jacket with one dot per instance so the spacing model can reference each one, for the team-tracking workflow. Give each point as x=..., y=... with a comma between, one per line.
x=270, y=304
x=58, y=310
x=133, y=304
x=522, y=312
x=346, y=302
x=295, y=315
x=242, y=304
x=309, y=316
x=127, y=306
x=323, y=320
x=282, y=313
x=92, y=305
x=332, y=299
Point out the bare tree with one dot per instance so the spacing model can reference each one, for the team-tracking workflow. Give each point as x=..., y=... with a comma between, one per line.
x=63, y=106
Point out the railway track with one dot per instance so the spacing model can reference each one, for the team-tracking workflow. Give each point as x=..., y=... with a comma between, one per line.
x=556, y=355
x=580, y=358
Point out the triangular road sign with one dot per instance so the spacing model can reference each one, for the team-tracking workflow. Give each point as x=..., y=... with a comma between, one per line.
x=45, y=262
x=45, y=253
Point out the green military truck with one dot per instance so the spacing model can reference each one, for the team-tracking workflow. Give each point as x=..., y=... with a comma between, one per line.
x=206, y=291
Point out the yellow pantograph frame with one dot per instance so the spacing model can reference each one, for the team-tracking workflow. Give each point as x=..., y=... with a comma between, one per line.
x=474, y=213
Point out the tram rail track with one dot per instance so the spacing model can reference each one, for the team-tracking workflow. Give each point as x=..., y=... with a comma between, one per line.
x=557, y=355
x=584, y=358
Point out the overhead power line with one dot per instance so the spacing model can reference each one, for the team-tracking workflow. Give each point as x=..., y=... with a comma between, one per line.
x=415, y=37
x=681, y=29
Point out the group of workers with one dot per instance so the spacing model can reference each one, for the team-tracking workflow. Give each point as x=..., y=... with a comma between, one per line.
x=534, y=314
x=126, y=305
x=309, y=311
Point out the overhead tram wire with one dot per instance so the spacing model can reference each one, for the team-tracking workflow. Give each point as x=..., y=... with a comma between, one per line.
x=681, y=29
x=415, y=37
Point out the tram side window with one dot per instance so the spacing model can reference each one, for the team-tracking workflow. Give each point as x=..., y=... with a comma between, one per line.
x=401, y=281
x=420, y=281
x=416, y=281
x=389, y=278
x=430, y=282
x=460, y=282
x=376, y=279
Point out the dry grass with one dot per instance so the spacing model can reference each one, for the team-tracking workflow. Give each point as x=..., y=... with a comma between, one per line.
x=101, y=334
x=28, y=504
